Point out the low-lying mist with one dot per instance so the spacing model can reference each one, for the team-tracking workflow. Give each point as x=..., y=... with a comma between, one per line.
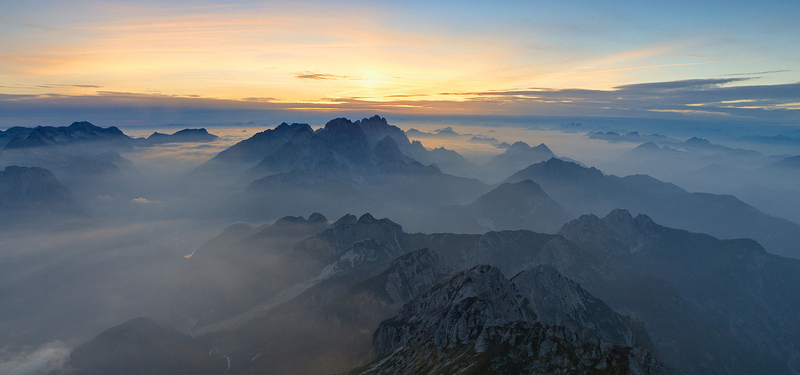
x=163, y=232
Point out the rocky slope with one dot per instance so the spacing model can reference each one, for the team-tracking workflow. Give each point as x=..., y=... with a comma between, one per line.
x=477, y=321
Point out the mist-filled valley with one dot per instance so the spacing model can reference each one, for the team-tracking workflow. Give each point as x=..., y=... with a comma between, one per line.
x=423, y=245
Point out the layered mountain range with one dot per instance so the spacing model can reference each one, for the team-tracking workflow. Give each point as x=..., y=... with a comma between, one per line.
x=588, y=190
x=559, y=268
x=369, y=165
x=86, y=134
x=369, y=298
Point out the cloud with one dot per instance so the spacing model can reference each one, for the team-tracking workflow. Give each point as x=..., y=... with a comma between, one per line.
x=56, y=85
x=757, y=73
x=688, y=83
x=47, y=358
x=726, y=99
x=320, y=76
x=260, y=99
x=142, y=200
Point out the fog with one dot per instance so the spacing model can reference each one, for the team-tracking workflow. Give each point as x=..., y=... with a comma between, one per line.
x=165, y=232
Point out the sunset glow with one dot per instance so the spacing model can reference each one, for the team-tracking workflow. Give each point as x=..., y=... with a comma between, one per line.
x=421, y=57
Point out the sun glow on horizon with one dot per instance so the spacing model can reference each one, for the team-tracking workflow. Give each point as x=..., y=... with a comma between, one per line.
x=326, y=54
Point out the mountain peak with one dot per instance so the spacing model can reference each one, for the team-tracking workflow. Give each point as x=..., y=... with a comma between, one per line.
x=347, y=219
x=367, y=219
x=376, y=128
x=374, y=121
x=317, y=218
x=349, y=230
x=648, y=146
x=619, y=217
x=340, y=123
x=387, y=151
x=617, y=228
x=519, y=145
x=556, y=168
x=698, y=141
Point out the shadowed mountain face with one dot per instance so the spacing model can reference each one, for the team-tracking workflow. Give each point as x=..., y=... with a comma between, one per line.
x=250, y=151
x=12, y=133
x=21, y=186
x=510, y=206
x=588, y=190
x=31, y=194
x=377, y=128
x=736, y=297
x=142, y=346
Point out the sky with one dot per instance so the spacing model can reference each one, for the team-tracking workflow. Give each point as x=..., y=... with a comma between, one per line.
x=723, y=60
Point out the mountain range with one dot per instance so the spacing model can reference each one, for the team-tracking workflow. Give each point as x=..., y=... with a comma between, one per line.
x=689, y=302
x=587, y=190
x=559, y=268
x=85, y=133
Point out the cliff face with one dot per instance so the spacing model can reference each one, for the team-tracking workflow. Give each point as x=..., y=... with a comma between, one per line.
x=477, y=321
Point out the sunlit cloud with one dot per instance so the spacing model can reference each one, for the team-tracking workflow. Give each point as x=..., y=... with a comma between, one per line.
x=320, y=76
x=289, y=56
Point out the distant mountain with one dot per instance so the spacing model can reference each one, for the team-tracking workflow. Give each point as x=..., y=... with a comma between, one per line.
x=510, y=206
x=335, y=170
x=446, y=132
x=303, y=151
x=627, y=137
x=723, y=306
x=340, y=142
x=489, y=140
x=77, y=133
x=669, y=158
x=247, y=153
x=773, y=140
x=13, y=132
x=33, y=193
x=792, y=162
x=377, y=128
x=588, y=190
x=446, y=160
x=89, y=176
x=141, y=346
x=519, y=155
x=477, y=321
x=181, y=136
x=22, y=186
x=82, y=132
